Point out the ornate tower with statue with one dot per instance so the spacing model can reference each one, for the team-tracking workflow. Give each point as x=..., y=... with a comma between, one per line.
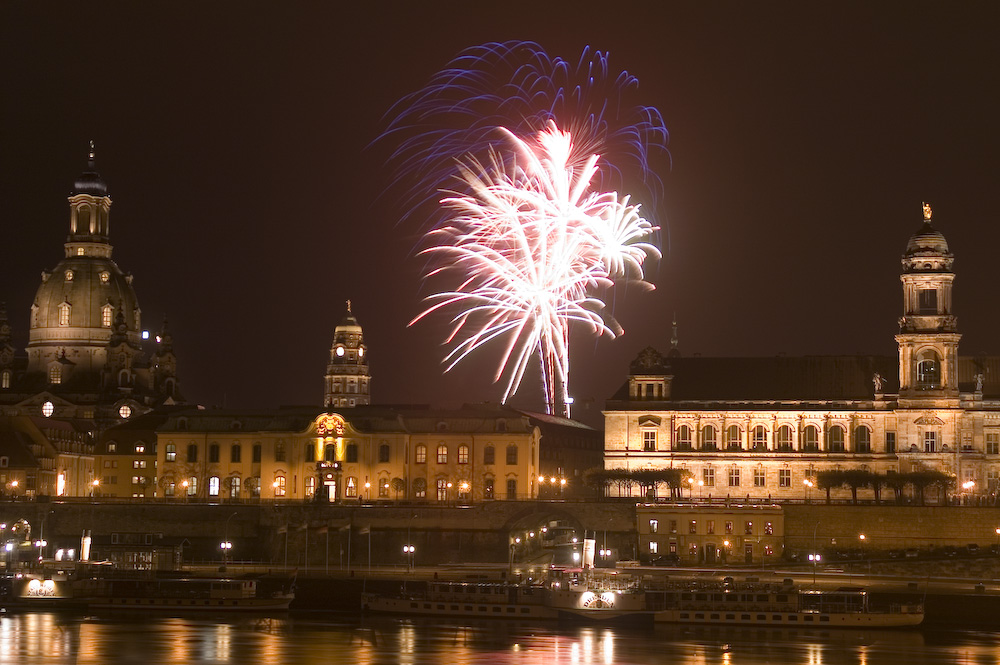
x=347, y=380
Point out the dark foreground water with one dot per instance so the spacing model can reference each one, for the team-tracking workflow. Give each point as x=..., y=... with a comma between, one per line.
x=136, y=638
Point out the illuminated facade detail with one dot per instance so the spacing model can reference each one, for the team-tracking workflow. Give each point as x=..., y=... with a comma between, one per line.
x=783, y=419
x=85, y=316
x=347, y=381
x=366, y=454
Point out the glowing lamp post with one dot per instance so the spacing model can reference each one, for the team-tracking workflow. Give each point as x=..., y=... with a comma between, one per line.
x=998, y=539
x=809, y=485
x=40, y=544
x=408, y=550
x=815, y=558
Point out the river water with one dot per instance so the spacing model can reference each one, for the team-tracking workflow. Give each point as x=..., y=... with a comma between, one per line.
x=39, y=637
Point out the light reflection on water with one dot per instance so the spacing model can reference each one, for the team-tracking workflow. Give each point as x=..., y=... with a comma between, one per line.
x=40, y=637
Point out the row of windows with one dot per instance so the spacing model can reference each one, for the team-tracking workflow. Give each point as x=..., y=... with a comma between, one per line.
x=350, y=453
x=728, y=525
x=734, y=477
x=732, y=438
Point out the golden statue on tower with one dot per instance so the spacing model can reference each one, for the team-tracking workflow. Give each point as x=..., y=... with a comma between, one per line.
x=927, y=211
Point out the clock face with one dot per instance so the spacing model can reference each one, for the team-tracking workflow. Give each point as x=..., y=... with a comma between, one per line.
x=340, y=352
x=361, y=352
x=105, y=276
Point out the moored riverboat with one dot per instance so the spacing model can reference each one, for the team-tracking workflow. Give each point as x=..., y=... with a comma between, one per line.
x=186, y=594
x=777, y=605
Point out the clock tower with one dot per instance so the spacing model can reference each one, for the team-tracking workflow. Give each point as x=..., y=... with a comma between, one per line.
x=347, y=377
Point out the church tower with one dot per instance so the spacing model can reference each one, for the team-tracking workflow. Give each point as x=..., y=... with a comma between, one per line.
x=347, y=378
x=928, y=331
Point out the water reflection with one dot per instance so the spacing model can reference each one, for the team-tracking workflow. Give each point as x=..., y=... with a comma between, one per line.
x=134, y=638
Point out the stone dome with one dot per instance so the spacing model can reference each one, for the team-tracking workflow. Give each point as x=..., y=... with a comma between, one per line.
x=89, y=285
x=927, y=239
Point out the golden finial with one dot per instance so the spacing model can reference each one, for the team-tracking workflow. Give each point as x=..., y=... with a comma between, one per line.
x=348, y=306
x=927, y=211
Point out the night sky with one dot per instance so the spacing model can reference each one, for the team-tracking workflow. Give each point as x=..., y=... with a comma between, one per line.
x=233, y=139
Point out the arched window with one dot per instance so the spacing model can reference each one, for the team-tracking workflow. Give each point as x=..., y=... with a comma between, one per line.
x=759, y=438
x=683, y=438
x=442, y=454
x=489, y=455
x=192, y=488
x=784, y=440
x=5, y=379
x=213, y=486
x=442, y=489
x=810, y=438
x=351, y=453
x=171, y=452
x=213, y=453
x=862, y=440
x=463, y=454
x=419, y=488
x=835, y=441
x=192, y=453
x=383, y=487
x=488, y=485
x=383, y=453
x=310, y=452
x=511, y=455
x=420, y=454
x=351, y=488
x=107, y=315
x=64, y=310
x=733, y=439
x=928, y=369
x=279, y=485
x=234, y=487
x=235, y=453
x=256, y=455
x=709, y=438
x=310, y=487
x=124, y=378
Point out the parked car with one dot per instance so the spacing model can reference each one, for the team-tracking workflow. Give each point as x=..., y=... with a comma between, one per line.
x=670, y=559
x=912, y=553
x=972, y=548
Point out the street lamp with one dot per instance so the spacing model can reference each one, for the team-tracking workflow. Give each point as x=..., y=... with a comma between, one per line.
x=408, y=550
x=998, y=539
x=227, y=545
x=725, y=551
x=809, y=485
x=815, y=558
x=93, y=486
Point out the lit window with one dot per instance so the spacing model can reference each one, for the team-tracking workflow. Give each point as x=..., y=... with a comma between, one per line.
x=340, y=352
x=835, y=442
x=759, y=479
x=784, y=477
x=352, y=487
x=105, y=276
x=48, y=409
x=107, y=315
x=234, y=487
x=279, y=486
x=192, y=486
x=653, y=525
x=139, y=464
x=442, y=454
x=759, y=438
x=930, y=442
x=310, y=486
x=784, y=441
x=463, y=454
x=140, y=448
x=684, y=438
x=420, y=454
x=125, y=411
x=213, y=486
x=708, y=476
x=709, y=438
x=649, y=440
x=69, y=275
x=733, y=439
x=693, y=526
x=734, y=477
x=5, y=379
x=171, y=452
x=55, y=374
x=652, y=547
x=383, y=487
x=64, y=310
x=442, y=489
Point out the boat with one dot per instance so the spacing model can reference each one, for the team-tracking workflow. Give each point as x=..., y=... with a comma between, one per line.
x=586, y=597
x=186, y=593
x=755, y=604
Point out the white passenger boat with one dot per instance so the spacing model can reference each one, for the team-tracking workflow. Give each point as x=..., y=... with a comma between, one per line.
x=777, y=605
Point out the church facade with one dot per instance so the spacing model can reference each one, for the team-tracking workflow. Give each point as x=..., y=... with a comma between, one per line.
x=87, y=357
x=762, y=428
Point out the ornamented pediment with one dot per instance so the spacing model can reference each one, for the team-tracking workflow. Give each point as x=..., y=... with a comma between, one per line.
x=649, y=421
x=928, y=419
x=649, y=361
x=330, y=424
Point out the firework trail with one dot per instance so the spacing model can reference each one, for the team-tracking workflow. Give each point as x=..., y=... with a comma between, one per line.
x=530, y=233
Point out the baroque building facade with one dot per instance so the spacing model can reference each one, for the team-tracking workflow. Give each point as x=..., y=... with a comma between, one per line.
x=762, y=428
x=361, y=454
